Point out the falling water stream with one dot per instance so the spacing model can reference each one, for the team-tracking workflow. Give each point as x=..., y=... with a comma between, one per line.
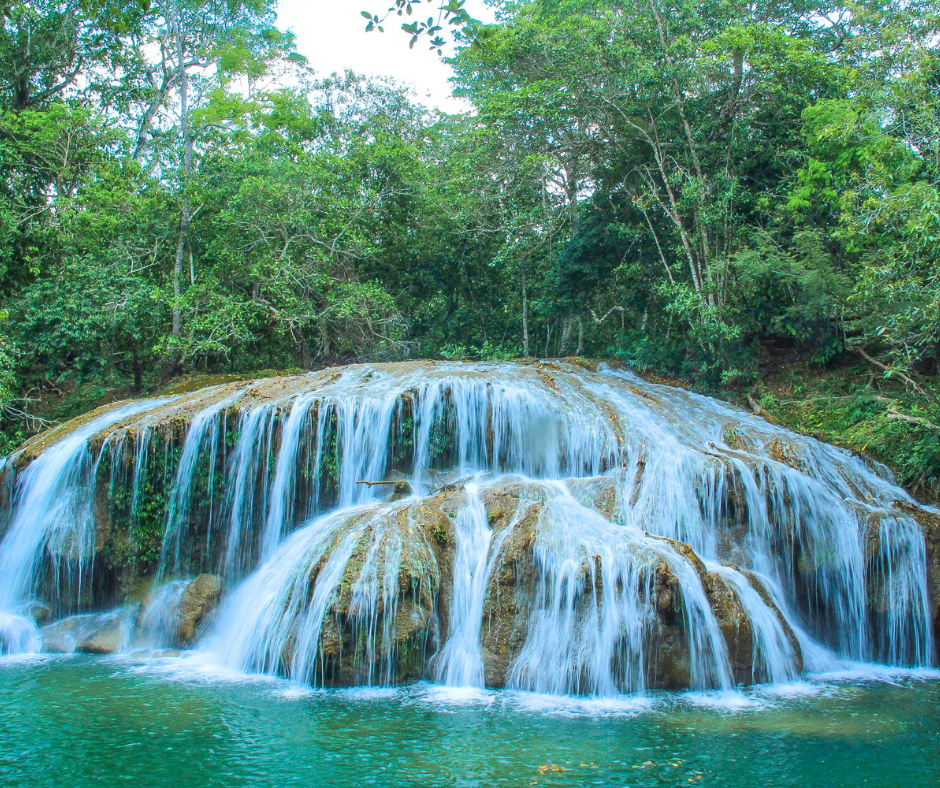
x=541, y=527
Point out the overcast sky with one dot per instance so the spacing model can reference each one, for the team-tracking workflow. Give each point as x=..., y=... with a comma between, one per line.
x=331, y=35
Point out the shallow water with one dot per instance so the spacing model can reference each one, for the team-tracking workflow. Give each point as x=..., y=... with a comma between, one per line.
x=81, y=721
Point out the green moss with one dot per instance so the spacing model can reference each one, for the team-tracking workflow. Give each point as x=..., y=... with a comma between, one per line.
x=845, y=406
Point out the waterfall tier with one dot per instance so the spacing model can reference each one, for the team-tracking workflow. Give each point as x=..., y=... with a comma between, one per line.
x=551, y=526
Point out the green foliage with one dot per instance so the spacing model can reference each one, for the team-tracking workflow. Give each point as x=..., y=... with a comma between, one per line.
x=842, y=407
x=690, y=187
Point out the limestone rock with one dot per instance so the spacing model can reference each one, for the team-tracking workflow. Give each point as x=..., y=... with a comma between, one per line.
x=929, y=521
x=60, y=637
x=106, y=639
x=100, y=633
x=40, y=613
x=199, y=599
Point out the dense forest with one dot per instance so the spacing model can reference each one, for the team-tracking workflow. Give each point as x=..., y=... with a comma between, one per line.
x=742, y=196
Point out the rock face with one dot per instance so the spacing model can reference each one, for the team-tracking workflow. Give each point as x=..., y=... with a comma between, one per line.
x=199, y=599
x=929, y=521
x=381, y=622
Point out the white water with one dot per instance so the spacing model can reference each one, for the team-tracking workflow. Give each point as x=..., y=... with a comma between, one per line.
x=282, y=490
x=460, y=663
x=736, y=489
x=52, y=516
x=203, y=434
x=773, y=653
x=156, y=624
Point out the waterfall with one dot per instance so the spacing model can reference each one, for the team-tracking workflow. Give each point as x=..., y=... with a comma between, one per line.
x=282, y=492
x=539, y=526
x=275, y=620
x=52, y=515
x=461, y=661
x=774, y=657
x=252, y=453
x=203, y=432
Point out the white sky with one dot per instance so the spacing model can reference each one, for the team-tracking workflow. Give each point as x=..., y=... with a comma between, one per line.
x=331, y=35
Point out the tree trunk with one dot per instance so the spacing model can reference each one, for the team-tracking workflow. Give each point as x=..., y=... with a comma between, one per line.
x=567, y=326
x=325, y=348
x=138, y=369
x=306, y=361
x=525, y=316
x=183, y=81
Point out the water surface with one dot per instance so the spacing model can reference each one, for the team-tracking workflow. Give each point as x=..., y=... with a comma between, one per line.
x=81, y=721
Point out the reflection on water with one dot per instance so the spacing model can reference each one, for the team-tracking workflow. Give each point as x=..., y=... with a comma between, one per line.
x=159, y=722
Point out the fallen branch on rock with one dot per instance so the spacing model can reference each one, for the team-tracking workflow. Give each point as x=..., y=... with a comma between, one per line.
x=894, y=414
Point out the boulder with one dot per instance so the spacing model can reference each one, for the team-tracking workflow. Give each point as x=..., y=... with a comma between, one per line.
x=100, y=633
x=40, y=613
x=59, y=637
x=106, y=639
x=199, y=598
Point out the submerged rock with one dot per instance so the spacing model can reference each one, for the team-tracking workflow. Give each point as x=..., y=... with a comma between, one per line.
x=59, y=638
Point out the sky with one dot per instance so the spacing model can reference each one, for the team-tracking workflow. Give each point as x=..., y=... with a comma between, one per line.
x=331, y=35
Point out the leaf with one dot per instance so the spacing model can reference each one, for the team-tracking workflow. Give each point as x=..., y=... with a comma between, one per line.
x=366, y=14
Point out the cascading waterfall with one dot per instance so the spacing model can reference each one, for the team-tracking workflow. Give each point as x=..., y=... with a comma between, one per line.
x=52, y=515
x=282, y=489
x=252, y=454
x=774, y=656
x=533, y=525
x=203, y=432
x=460, y=663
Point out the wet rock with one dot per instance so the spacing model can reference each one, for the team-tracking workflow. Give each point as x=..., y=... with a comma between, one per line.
x=510, y=596
x=381, y=617
x=97, y=633
x=598, y=493
x=759, y=587
x=40, y=613
x=669, y=665
x=105, y=639
x=102, y=515
x=734, y=624
x=787, y=453
x=402, y=490
x=60, y=637
x=672, y=666
x=929, y=521
x=199, y=598
x=7, y=481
